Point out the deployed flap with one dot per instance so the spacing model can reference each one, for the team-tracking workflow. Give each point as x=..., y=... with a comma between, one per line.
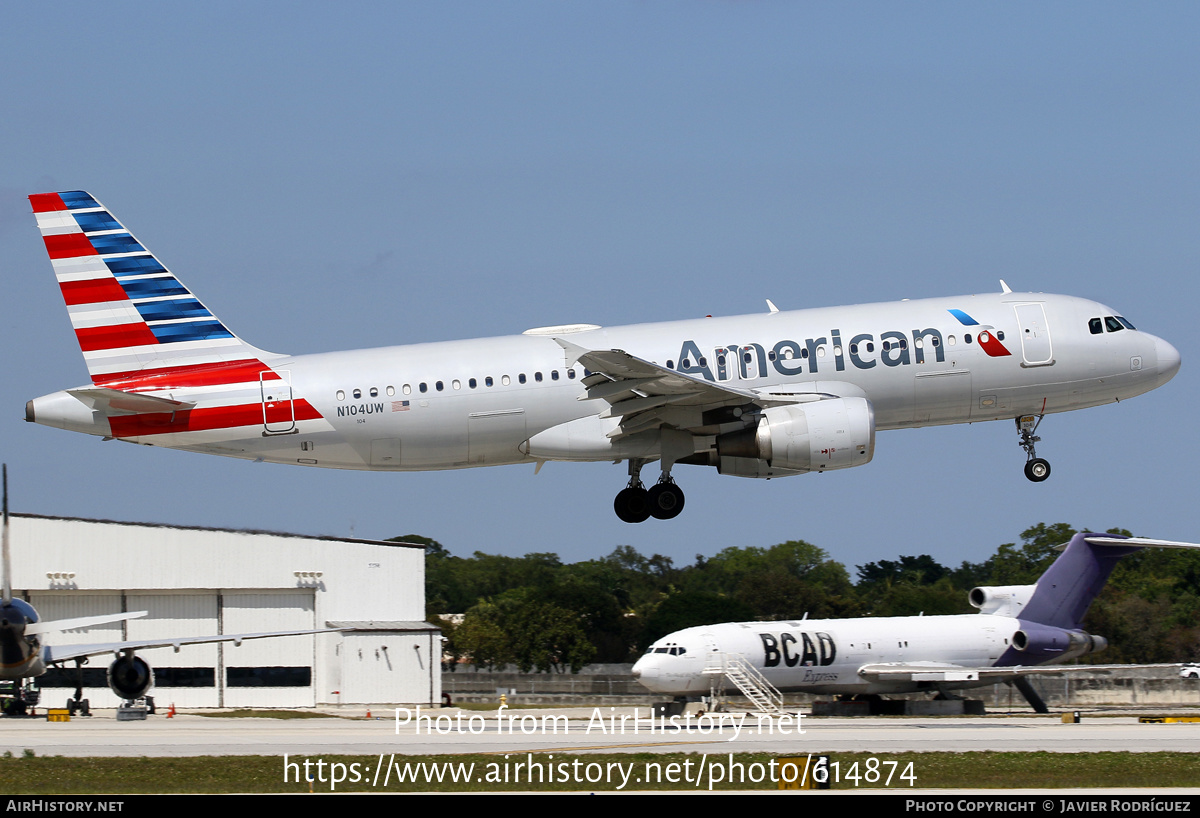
x=115, y=402
x=62, y=654
x=642, y=393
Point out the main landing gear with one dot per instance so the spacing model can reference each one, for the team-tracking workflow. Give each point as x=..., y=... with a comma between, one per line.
x=636, y=504
x=1036, y=469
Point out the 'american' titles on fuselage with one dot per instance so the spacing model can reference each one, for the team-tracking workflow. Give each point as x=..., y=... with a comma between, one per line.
x=754, y=396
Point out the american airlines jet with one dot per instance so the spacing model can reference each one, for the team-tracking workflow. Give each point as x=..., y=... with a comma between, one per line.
x=768, y=395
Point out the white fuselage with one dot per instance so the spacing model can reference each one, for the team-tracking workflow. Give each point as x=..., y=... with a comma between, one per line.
x=825, y=655
x=519, y=399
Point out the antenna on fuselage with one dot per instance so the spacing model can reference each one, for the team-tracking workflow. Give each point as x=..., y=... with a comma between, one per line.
x=7, y=561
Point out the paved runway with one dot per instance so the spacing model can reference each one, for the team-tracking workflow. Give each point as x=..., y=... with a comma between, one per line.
x=583, y=730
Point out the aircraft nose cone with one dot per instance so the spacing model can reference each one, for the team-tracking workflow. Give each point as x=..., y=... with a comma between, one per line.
x=1168, y=359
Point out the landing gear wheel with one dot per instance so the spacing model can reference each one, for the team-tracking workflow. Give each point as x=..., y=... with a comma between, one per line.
x=665, y=501
x=1037, y=470
x=632, y=505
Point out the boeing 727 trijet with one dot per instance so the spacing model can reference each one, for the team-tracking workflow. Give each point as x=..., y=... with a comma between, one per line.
x=768, y=395
x=1020, y=630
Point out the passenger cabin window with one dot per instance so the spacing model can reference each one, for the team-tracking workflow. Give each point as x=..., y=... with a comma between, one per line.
x=357, y=394
x=571, y=374
x=423, y=387
x=374, y=391
x=472, y=383
x=521, y=377
x=537, y=376
x=341, y=394
x=488, y=380
x=391, y=390
x=554, y=374
x=504, y=380
x=439, y=386
x=407, y=389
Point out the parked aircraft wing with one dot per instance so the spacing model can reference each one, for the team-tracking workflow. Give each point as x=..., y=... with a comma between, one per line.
x=934, y=672
x=58, y=625
x=65, y=652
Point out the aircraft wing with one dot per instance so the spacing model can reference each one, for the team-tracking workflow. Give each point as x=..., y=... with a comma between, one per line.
x=58, y=625
x=61, y=654
x=645, y=395
x=937, y=672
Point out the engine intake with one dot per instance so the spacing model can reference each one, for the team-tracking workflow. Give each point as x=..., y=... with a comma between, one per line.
x=130, y=677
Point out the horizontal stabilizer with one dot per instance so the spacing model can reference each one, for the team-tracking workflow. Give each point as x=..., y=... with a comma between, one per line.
x=109, y=402
x=1139, y=542
x=58, y=625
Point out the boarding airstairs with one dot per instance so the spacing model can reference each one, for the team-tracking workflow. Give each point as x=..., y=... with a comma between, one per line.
x=753, y=685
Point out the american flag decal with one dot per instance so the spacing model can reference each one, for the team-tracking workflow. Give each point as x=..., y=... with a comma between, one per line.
x=399, y=406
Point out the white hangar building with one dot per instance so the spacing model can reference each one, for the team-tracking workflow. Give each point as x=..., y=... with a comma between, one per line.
x=206, y=581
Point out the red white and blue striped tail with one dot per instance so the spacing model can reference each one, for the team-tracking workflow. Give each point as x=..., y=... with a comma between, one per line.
x=135, y=322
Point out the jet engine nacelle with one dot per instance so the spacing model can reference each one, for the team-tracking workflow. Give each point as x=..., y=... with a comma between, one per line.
x=1001, y=600
x=130, y=677
x=1042, y=643
x=820, y=436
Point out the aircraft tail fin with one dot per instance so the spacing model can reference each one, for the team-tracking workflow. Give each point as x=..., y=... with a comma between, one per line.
x=1065, y=592
x=131, y=316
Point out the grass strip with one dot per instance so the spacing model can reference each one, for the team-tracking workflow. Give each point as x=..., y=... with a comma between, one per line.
x=560, y=772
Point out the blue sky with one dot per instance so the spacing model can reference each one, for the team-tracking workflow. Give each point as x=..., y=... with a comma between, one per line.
x=382, y=173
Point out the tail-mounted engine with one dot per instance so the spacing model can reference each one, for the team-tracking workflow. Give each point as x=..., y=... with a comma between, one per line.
x=130, y=677
x=820, y=436
x=1001, y=600
x=1042, y=643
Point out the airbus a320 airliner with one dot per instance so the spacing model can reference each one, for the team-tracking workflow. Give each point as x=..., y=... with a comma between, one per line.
x=768, y=395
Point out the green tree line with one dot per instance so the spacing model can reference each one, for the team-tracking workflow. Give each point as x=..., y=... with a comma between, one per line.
x=539, y=613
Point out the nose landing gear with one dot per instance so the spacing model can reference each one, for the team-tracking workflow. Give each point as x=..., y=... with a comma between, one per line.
x=1036, y=469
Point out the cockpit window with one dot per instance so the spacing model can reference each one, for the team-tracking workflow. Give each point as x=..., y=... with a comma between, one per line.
x=671, y=648
x=1126, y=323
x=1113, y=324
x=1096, y=326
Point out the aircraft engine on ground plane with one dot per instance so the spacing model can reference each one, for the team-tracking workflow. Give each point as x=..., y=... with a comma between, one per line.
x=130, y=677
x=1041, y=643
x=818, y=436
x=1001, y=600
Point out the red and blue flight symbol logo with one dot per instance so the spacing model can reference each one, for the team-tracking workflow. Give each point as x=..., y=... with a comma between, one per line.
x=986, y=335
